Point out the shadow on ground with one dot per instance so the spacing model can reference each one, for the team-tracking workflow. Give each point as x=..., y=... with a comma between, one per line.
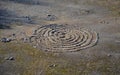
x=30, y=2
x=7, y=18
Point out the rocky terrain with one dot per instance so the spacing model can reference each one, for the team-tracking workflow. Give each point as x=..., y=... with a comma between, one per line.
x=59, y=37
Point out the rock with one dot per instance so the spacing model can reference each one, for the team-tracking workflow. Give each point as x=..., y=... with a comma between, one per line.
x=51, y=17
x=103, y=22
x=13, y=34
x=25, y=40
x=52, y=65
x=5, y=40
x=109, y=55
x=9, y=58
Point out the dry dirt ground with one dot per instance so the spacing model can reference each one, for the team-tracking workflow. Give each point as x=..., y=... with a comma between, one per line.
x=22, y=17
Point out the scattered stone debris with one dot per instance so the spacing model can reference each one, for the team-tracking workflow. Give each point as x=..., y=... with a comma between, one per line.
x=6, y=40
x=10, y=58
x=51, y=17
x=52, y=65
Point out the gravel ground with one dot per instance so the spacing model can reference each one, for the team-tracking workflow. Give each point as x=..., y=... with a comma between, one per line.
x=24, y=16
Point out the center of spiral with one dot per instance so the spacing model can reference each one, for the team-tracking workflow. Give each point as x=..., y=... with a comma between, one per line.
x=61, y=35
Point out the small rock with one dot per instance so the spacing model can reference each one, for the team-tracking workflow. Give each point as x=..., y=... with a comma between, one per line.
x=103, y=22
x=13, y=34
x=51, y=17
x=5, y=40
x=10, y=58
x=52, y=65
x=109, y=55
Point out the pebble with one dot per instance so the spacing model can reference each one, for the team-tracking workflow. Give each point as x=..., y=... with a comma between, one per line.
x=109, y=55
x=52, y=65
x=13, y=34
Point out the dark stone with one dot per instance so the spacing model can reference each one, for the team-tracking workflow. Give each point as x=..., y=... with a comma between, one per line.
x=13, y=34
x=5, y=40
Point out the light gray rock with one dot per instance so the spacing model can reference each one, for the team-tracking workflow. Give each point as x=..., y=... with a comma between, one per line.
x=10, y=58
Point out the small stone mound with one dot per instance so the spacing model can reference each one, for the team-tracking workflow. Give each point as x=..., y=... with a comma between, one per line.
x=60, y=38
x=51, y=17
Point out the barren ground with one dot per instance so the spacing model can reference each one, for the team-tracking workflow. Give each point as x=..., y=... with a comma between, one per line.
x=24, y=16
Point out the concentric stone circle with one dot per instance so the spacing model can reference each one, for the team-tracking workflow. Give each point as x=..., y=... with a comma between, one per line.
x=59, y=38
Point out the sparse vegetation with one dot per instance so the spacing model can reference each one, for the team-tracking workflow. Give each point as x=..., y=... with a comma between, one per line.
x=112, y=5
x=30, y=61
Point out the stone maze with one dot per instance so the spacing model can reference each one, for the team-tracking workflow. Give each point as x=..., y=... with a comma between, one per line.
x=62, y=38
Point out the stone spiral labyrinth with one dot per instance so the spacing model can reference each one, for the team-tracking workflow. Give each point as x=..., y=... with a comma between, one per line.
x=59, y=38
